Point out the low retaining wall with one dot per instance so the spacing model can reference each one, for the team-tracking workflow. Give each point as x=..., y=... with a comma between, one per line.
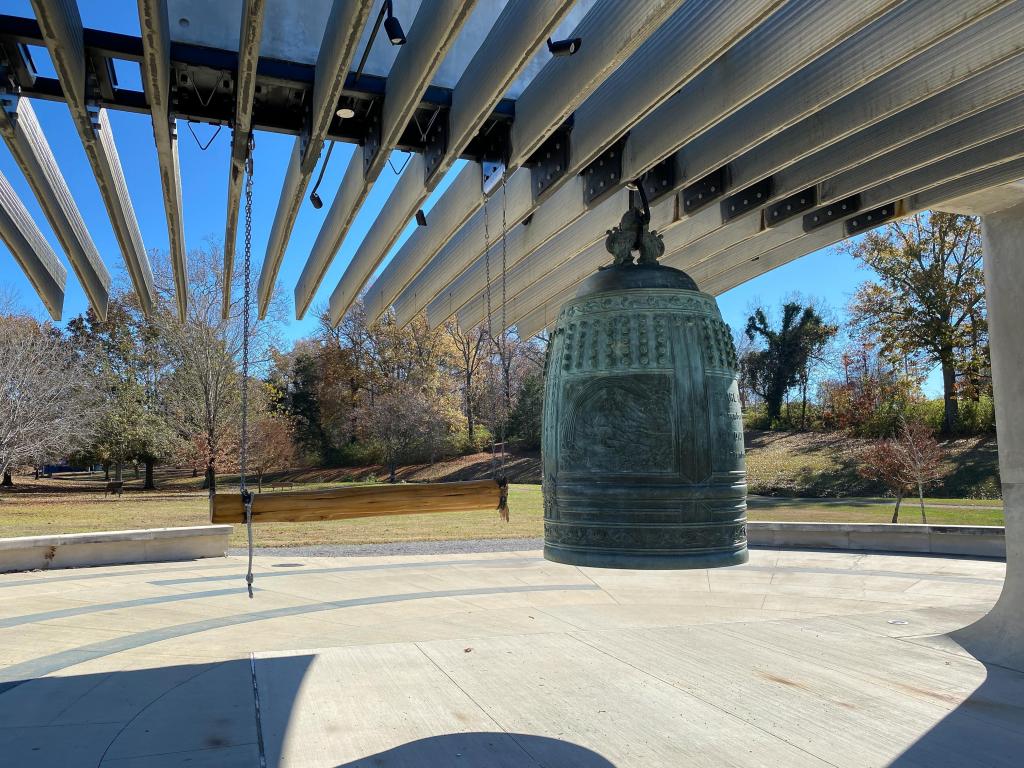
x=975, y=540
x=74, y=550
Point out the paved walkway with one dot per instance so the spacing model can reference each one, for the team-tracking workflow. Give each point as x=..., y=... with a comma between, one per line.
x=503, y=659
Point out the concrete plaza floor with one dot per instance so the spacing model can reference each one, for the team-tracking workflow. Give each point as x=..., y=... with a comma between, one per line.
x=503, y=659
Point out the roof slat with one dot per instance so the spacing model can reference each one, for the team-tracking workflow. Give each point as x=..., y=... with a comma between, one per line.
x=31, y=251
x=434, y=31
x=61, y=26
x=338, y=47
x=519, y=30
x=611, y=32
x=245, y=89
x=24, y=137
x=156, y=81
x=937, y=68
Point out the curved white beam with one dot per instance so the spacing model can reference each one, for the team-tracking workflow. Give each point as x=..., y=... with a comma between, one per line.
x=31, y=251
x=245, y=89
x=156, y=81
x=611, y=31
x=61, y=26
x=433, y=32
x=24, y=137
x=977, y=68
x=519, y=30
x=338, y=47
x=791, y=39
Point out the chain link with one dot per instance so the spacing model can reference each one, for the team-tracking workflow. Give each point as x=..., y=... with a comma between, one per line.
x=246, y=301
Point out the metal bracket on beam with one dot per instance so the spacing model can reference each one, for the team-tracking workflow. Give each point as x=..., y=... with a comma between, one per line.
x=705, y=190
x=660, y=180
x=372, y=139
x=830, y=213
x=747, y=199
x=435, y=143
x=791, y=206
x=497, y=144
x=866, y=220
x=18, y=58
x=602, y=178
x=549, y=162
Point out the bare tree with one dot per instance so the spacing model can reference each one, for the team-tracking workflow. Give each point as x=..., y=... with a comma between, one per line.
x=910, y=461
x=203, y=392
x=470, y=346
x=45, y=395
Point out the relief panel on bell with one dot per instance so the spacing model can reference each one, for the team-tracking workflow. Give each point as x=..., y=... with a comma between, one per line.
x=620, y=424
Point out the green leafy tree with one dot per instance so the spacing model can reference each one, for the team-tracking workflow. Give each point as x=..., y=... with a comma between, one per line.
x=782, y=362
x=126, y=358
x=928, y=301
x=525, y=419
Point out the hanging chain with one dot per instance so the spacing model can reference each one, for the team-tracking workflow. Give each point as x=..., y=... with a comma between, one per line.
x=502, y=346
x=496, y=474
x=244, y=452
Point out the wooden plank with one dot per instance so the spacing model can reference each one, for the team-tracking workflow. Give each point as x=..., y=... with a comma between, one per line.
x=359, y=501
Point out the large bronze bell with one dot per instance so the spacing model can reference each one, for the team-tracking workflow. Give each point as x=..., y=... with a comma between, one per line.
x=643, y=434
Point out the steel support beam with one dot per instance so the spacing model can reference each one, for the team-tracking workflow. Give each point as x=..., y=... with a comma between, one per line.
x=432, y=35
x=804, y=30
x=612, y=31
x=156, y=81
x=518, y=32
x=24, y=137
x=241, y=134
x=61, y=26
x=31, y=251
x=908, y=192
x=975, y=69
x=338, y=47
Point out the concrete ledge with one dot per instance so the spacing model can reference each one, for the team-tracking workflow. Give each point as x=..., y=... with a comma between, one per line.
x=75, y=550
x=975, y=540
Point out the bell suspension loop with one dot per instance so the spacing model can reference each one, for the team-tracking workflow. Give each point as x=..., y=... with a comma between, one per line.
x=247, y=289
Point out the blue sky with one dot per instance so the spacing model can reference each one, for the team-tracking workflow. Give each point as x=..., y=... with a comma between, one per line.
x=828, y=275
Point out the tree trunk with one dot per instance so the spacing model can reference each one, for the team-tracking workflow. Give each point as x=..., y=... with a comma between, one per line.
x=195, y=472
x=920, y=496
x=896, y=512
x=8, y=481
x=136, y=466
x=803, y=406
x=259, y=481
x=118, y=472
x=149, y=485
x=36, y=472
x=106, y=472
x=951, y=414
x=393, y=469
x=211, y=479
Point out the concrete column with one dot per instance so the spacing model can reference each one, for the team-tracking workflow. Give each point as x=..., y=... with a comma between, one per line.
x=999, y=636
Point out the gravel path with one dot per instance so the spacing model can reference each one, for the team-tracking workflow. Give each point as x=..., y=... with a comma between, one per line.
x=399, y=548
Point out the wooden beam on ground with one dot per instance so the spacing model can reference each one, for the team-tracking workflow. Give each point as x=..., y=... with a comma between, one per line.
x=434, y=31
x=245, y=89
x=156, y=82
x=24, y=137
x=515, y=36
x=31, y=251
x=359, y=501
x=61, y=26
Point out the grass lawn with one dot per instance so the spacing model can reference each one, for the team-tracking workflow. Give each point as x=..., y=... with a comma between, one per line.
x=40, y=509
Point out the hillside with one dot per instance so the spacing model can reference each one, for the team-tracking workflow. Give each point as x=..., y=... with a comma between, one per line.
x=809, y=464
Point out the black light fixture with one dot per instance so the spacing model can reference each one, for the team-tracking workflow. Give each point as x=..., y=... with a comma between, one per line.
x=393, y=28
x=566, y=47
x=396, y=35
x=421, y=218
x=314, y=198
